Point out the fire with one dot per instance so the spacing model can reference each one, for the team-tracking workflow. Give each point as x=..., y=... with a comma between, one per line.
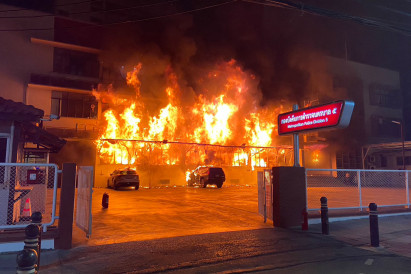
x=225, y=112
x=215, y=117
x=316, y=156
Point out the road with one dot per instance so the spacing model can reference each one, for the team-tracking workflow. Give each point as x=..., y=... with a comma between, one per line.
x=156, y=213
x=270, y=250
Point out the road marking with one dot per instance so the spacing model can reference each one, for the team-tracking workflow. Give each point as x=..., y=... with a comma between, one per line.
x=369, y=262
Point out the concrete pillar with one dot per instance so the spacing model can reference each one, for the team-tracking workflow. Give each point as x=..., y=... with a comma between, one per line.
x=289, y=196
x=65, y=226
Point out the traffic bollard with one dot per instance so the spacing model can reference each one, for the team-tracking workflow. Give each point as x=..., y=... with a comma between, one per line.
x=36, y=219
x=325, y=228
x=104, y=200
x=32, y=237
x=374, y=234
x=304, y=225
x=26, y=261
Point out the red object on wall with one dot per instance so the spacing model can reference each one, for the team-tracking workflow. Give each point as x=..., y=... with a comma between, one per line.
x=33, y=176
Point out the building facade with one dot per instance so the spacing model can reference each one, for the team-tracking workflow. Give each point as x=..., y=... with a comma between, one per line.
x=56, y=63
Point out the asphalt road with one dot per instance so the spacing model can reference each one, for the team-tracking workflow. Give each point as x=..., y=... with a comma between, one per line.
x=270, y=250
x=195, y=230
x=156, y=213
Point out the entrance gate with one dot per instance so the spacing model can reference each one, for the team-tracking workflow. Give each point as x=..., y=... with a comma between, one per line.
x=84, y=198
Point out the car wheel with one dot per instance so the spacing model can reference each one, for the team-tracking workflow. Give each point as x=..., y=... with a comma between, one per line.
x=203, y=183
x=137, y=186
x=108, y=183
x=219, y=185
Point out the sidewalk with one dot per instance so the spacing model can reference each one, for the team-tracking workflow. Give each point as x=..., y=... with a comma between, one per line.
x=394, y=231
x=270, y=250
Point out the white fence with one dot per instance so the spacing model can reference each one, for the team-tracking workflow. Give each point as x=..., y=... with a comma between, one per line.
x=84, y=198
x=24, y=189
x=352, y=188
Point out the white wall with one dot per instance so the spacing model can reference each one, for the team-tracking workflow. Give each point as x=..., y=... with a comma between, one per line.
x=19, y=57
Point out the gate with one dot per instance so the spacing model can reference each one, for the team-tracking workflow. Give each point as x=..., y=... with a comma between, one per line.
x=85, y=180
x=265, y=191
x=27, y=188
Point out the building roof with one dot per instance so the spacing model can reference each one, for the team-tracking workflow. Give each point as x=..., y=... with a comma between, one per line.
x=26, y=115
x=15, y=111
x=42, y=138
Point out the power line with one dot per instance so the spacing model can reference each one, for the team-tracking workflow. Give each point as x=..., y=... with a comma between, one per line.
x=59, y=5
x=128, y=21
x=89, y=12
x=165, y=142
x=331, y=14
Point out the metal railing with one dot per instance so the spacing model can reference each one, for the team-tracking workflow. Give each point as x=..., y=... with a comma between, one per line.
x=355, y=189
x=27, y=188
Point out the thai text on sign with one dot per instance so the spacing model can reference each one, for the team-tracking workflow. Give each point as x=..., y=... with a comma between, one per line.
x=337, y=114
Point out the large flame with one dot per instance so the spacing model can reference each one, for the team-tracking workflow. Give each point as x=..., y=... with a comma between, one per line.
x=225, y=113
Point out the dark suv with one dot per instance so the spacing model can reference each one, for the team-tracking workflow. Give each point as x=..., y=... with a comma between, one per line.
x=206, y=175
x=124, y=178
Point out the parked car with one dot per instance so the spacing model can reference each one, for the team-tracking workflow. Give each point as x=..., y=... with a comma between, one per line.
x=207, y=175
x=124, y=178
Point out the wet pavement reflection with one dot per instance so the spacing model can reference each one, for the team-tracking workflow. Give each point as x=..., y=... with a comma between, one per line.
x=164, y=212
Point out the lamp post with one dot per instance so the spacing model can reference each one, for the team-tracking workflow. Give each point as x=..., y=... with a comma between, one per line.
x=402, y=139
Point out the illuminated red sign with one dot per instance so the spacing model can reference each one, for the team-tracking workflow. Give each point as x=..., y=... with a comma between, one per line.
x=337, y=114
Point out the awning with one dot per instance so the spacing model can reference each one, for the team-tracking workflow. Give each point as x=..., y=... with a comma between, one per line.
x=16, y=111
x=42, y=138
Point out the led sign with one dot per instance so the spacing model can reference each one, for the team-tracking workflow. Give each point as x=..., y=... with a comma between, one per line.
x=332, y=115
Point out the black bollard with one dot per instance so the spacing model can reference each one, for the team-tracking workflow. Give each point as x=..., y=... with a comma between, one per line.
x=26, y=261
x=36, y=219
x=374, y=234
x=104, y=200
x=31, y=242
x=324, y=216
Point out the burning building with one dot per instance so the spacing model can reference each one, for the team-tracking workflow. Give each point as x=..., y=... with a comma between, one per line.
x=221, y=124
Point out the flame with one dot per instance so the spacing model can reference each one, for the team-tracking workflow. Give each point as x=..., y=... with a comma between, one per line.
x=316, y=156
x=225, y=112
x=215, y=117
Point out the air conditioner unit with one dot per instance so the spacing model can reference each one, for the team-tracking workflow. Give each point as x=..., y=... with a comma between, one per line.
x=371, y=159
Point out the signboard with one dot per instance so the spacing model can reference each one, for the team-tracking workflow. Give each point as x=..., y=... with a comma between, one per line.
x=332, y=115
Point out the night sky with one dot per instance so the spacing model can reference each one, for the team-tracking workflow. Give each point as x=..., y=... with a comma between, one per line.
x=280, y=46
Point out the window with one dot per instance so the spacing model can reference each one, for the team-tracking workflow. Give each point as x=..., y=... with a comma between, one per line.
x=406, y=158
x=384, y=127
x=384, y=96
x=383, y=161
x=66, y=104
x=76, y=63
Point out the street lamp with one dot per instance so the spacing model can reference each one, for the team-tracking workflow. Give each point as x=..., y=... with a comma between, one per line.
x=402, y=139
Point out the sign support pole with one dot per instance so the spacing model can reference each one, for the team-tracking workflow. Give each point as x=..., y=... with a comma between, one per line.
x=296, y=144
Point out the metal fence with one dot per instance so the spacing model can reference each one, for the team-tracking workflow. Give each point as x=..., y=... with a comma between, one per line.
x=352, y=188
x=24, y=189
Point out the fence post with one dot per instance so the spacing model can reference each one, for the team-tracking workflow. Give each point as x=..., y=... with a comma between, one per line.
x=325, y=229
x=65, y=226
x=359, y=188
x=374, y=234
x=407, y=192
